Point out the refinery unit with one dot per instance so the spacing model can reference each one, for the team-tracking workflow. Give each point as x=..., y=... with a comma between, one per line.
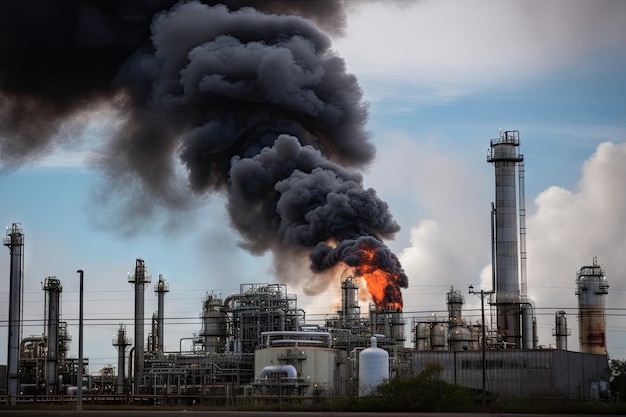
x=256, y=345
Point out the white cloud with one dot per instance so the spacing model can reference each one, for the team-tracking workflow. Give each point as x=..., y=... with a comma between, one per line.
x=452, y=47
x=569, y=229
x=447, y=197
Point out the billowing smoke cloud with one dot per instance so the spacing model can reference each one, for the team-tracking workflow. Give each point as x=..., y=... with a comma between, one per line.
x=254, y=105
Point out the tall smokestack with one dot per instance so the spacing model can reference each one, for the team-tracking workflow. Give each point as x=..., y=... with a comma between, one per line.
x=161, y=288
x=139, y=281
x=504, y=156
x=14, y=240
x=591, y=289
x=53, y=289
x=252, y=102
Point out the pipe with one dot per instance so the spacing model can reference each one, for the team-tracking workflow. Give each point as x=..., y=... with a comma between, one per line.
x=288, y=370
x=230, y=298
x=493, y=246
x=32, y=339
x=522, y=229
x=303, y=337
x=131, y=357
x=528, y=328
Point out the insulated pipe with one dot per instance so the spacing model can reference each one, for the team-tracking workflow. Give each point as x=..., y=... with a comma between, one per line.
x=32, y=339
x=297, y=337
x=289, y=370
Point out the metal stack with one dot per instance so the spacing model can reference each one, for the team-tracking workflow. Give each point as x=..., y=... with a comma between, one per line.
x=52, y=287
x=503, y=153
x=139, y=281
x=14, y=240
x=591, y=288
x=121, y=342
x=161, y=288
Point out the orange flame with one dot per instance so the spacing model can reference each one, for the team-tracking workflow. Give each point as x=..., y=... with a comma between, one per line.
x=383, y=283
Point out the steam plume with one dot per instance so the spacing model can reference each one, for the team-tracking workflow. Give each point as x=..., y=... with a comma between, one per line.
x=254, y=105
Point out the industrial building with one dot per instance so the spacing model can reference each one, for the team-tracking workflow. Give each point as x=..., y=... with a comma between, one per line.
x=256, y=345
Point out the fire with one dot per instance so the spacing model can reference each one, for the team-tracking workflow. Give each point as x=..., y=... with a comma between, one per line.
x=382, y=273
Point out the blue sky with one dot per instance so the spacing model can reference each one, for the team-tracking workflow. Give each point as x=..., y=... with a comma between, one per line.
x=441, y=78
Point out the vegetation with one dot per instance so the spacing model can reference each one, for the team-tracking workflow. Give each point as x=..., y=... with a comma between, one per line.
x=424, y=392
x=618, y=379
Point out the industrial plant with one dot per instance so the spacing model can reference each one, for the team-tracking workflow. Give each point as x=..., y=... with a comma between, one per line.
x=256, y=345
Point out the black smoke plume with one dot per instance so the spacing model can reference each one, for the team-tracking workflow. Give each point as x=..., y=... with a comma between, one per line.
x=253, y=102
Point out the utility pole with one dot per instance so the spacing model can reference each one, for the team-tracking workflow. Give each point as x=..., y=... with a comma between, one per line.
x=482, y=294
x=79, y=379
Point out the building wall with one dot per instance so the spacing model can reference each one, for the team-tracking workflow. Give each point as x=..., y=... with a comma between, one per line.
x=514, y=374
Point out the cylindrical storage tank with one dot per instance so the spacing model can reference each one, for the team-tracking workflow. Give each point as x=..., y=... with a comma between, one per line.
x=373, y=368
x=460, y=338
x=422, y=336
x=214, y=326
x=591, y=287
x=439, y=336
x=476, y=334
x=397, y=325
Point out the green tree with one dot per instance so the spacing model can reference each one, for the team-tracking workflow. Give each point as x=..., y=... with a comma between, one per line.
x=424, y=392
x=618, y=378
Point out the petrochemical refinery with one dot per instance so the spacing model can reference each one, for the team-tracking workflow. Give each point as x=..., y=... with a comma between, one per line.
x=256, y=345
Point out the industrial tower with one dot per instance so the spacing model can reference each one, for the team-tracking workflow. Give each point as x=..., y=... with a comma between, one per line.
x=513, y=309
x=121, y=342
x=14, y=240
x=139, y=280
x=161, y=288
x=52, y=287
x=591, y=288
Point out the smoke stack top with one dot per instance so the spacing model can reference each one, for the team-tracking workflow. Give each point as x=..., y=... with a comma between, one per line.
x=254, y=105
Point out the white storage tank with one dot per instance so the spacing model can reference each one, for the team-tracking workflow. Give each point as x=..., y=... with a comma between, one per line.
x=373, y=368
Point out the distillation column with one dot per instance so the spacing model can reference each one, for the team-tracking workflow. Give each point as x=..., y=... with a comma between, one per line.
x=503, y=154
x=121, y=342
x=53, y=289
x=214, y=332
x=139, y=280
x=350, y=309
x=160, y=289
x=561, y=331
x=591, y=288
x=14, y=240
